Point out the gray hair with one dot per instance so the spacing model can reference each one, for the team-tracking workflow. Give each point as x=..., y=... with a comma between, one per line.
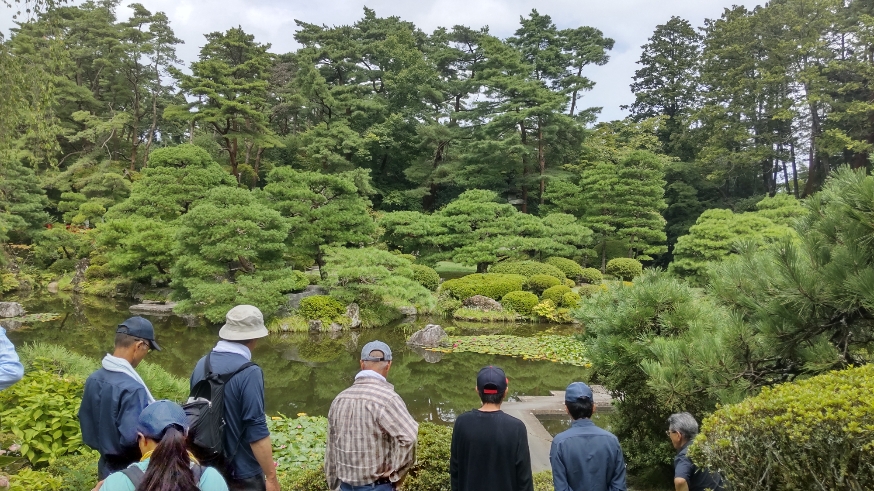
x=684, y=424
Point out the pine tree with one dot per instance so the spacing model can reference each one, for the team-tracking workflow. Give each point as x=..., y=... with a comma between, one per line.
x=23, y=202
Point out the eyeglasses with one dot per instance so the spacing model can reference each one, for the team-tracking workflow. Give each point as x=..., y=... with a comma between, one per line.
x=670, y=431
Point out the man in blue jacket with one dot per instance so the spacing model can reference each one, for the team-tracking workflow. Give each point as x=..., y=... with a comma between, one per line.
x=114, y=397
x=585, y=457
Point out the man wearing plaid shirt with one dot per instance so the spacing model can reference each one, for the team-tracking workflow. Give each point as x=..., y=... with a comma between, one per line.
x=371, y=435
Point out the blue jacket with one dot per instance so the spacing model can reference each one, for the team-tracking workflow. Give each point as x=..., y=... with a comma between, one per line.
x=111, y=405
x=11, y=370
x=587, y=458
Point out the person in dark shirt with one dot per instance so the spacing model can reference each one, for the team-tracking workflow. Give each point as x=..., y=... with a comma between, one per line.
x=115, y=395
x=682, y=429
x=489, y=450
x=246, y=437
x=585, y=457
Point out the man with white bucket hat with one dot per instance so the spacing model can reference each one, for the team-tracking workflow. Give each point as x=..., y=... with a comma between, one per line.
x=247, y=445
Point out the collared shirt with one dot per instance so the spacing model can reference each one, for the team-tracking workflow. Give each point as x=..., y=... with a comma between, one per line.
x=11, y=369
x=369, y=374
x=370, y=433
x=587, y=458
x=697, y=479
x=228, y=347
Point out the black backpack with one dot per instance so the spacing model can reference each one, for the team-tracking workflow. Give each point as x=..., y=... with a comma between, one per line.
x=205, y=410
x=136, y=475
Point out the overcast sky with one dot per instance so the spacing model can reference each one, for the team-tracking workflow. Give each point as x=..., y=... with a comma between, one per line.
x=629, y=22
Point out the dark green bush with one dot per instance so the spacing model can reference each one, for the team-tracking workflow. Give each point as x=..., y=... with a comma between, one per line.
x=491, y=285
x=569, y=267
x=812, y=434
x=592, y=276
x=555, y=294
x=541, y=282
x=571, y=300
x=520, y=302
x=63, y=266
x=426, y=276
x=321, y=307
x=624, y=268
x=527, y=269
x=96, y=271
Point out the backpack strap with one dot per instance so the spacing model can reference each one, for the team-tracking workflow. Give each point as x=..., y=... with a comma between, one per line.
x=135, y=474
x=198, y=471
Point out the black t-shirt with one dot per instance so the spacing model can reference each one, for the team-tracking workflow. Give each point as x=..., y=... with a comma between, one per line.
x=490, y=453
x=698, y=479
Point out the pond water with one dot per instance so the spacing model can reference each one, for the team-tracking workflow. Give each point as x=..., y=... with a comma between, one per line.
x=556, y=423
x=302, y=372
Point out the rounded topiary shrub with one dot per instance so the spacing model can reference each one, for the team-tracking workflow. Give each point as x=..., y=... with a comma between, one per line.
x=571, y=300
x=527, y=269
x=520, y=302
x=490, y=285
x=569, y=267
x=555, y=294
x=540, y=282
x=812, y=434
x=569, y=283
x=589, y=290
x=321, y=307
x=592, y=276
x=426, y=276
x=624, y=268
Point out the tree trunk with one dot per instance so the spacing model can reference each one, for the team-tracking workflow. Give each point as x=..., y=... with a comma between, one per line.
x=482, y=267
x=541, y=158
x=794, y=167
x=814, y=171
x=524, y=137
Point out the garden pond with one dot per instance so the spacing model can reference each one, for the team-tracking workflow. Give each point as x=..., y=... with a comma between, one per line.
x=303, y=372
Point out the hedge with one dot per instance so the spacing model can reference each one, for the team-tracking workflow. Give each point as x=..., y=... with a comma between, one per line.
x=624, y=268
x=321, y=307
x=555, y=294
x=491, y=285
x=571, y=300
x=592, y=275
x=813, y=434
x=570, y=283
x=520, y=302
x=426, y=276
x=527, y=269
x=589, y=290
x=541, y=282
x=569, y=267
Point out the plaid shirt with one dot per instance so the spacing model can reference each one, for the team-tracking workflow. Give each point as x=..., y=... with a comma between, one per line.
x=370, y=432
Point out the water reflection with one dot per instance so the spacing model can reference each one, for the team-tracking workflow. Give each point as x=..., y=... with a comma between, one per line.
x=303, y=372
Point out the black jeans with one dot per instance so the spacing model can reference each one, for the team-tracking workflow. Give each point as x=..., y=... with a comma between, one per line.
x=255, y=483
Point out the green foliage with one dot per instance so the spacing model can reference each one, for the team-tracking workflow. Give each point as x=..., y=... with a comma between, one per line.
x=31, y=480
x=528, y=269
x=592, y=276
x=559, y=349
x=491, y=285
x=815, y=433
x=552, y=312
x=305, y=479
x=624, y=268
x=571, y=300
x=76, y=472
x=543, y=481
x=541, y=282
x=22, y=201
x=426, y=276
x=321, y=307
x=520, y=302
x=431, y=470
x=298, y=442
x=477, y=315
x=162, y=384
x=291, y=323
x=555, y=294
x=570, y=283
x=586, y=291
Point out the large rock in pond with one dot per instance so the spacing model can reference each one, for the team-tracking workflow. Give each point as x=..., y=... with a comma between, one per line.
x=149, y=308
x=431, y=336
x=483, y=303
x=11, y=309
x=295, y=298
x=353, y=312
x=408, y=311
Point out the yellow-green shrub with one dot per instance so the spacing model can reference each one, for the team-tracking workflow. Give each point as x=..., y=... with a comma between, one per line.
x=570, y=300
x=491, y=285
x=31, y=480
x=426, y=276
x=589, y=290
x=321, y=307
x=592, y=275
x=569, y=283
x=520, y=302
x=555, y=294
x=569, y=267
x=624, y=268
x=541, y=282
x=527, y=269
x=813, y=434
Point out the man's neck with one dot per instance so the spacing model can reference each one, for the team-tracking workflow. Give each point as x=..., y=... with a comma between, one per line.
x=490, y=408
x=124, y=355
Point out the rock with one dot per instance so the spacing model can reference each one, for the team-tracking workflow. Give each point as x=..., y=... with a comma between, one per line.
x=295, y=298
x=153, y=308
x=431, y=336
x=429, y=356
x=408, y=311
x=483, y=303
x=334, y=327
x=11, y=309
x=315, y=325
x=190, y=320
x=4, y=482
x=11, y=324
x=52, y=287
x=79, y=277
x=353, y=312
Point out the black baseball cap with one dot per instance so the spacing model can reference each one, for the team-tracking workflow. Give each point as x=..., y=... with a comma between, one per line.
x=491, y=380
x=139, y=327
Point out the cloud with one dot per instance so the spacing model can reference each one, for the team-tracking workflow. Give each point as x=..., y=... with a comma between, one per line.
x=629, y=22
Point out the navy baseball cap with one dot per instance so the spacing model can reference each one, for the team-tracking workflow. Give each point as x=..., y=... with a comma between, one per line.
x=577, y=391
x=141, y=328
x=375, y=346
x=158, y=416
x=491, y=380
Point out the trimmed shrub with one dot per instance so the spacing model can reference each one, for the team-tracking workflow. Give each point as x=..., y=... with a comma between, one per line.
x=624, y=268
x=321, y=307
x=491, y=285
x=587, y=291
x=555, y=294
x=426, y=276
x=813, y=434
x=540, y=282
x=570, y=283
x=527, y=269
x=571, y=300
x=520, y=302
x=592, y=276
x=431, y=470
x=569, y=267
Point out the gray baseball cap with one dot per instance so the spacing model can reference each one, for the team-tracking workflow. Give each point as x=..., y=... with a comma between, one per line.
x=375, y=346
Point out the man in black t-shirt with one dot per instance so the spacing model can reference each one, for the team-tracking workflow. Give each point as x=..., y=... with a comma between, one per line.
x=682, y=429
x=489, y=447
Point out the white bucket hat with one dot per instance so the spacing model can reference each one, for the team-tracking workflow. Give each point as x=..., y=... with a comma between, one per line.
x=242, y=323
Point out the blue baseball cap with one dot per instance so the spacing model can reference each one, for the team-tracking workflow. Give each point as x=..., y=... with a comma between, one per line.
x=159, y=415
x=375, y=346
x=578, y=391
x=139, y=327
x=491, y=380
